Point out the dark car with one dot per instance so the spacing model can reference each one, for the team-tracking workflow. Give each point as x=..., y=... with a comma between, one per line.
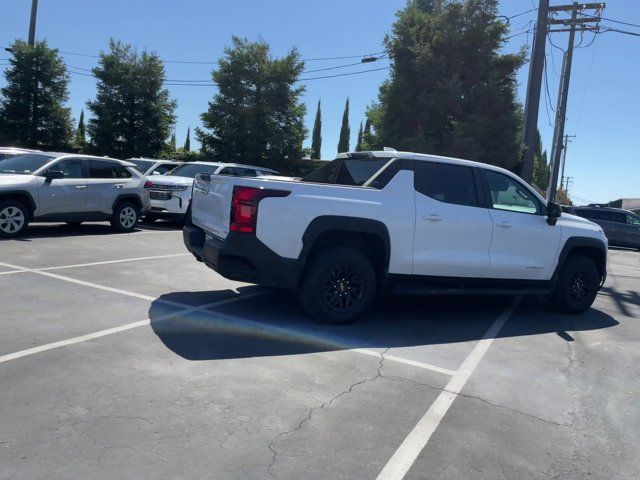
x=621, y=227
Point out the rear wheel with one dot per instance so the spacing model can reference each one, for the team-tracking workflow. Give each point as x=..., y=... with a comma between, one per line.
x=125, y=217
x=577, y=286
x=14, y=218
x=339, y=285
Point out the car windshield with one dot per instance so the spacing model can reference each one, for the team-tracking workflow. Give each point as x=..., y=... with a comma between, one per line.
x=347, y=171
x=142, y=165
x=192, y=169
x=25, y=164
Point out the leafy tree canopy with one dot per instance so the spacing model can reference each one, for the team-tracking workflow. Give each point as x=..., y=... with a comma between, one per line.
x=257, y=115
x=451, y=91
x=132, y=112
x=32, y=111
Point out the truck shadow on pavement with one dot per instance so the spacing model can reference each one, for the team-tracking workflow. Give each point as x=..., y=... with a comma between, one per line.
x=274, y=324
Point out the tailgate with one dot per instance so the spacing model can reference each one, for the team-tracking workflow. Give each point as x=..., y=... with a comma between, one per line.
x=211, y=203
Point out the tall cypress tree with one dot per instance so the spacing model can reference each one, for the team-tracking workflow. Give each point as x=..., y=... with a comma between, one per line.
x=80, y=140
x=345, y=131
x=172, y=142
x=187, y=142
x=359, y=143
x=316, y=141
x=32, y=111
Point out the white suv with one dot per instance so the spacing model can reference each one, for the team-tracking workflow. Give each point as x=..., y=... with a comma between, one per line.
x=370, y=220
x=171, y=193
x=60, y=187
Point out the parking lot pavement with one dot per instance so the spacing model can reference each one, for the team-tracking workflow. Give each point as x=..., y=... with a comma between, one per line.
x=122, y=357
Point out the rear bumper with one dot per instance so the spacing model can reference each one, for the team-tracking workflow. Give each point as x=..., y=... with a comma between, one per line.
x=242, y=257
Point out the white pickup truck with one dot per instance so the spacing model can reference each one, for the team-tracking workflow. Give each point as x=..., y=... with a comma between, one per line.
x=371, y=220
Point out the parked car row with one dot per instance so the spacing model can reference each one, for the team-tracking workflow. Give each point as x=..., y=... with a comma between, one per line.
x=75, y=188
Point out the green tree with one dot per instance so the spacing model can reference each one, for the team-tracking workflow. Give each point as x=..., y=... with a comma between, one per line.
x=80, y=137
x=187, y=142
x=345, y=131
x=359, y=142
x=451, y=91
x=316, y=139
x=32, y=111
x=257, y=115
x=541, y=167
x=132, y=112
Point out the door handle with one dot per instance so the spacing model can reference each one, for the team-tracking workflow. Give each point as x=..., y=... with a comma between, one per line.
x=80, y=187
x=119, y=185
x=504, y=225
x=432, y=218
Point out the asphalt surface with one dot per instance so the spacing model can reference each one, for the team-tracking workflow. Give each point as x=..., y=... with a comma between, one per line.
x=122, y=357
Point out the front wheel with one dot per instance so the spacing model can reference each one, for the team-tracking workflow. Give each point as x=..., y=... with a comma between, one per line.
x=339, y=285
x=14, y=219
x=577, y=285
x=125, y=217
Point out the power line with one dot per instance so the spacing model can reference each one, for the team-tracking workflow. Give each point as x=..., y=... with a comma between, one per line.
x=202, y=83
x=611, y=20
x=522, y=13
x=608, y=29
x=202, y=62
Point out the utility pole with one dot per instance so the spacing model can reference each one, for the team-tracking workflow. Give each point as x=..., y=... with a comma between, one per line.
x=564, y=157
x=534, y=85
x=32, y=23
x=563, y=91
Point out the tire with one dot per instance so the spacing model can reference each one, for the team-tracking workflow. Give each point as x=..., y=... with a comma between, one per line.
x=125, y=217
x=577, y=285
x=14, y=218
x=339, y=285
x=149, y=219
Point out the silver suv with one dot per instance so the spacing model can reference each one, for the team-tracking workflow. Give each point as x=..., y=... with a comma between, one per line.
x=61, y=187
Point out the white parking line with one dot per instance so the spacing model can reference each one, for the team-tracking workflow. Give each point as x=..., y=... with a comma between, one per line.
x=107, y=262
x=405, y=361
x=122, y=328
x=404, y=457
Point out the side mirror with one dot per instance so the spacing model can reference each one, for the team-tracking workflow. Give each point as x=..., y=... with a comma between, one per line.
x=53, y=175
x=554, y=211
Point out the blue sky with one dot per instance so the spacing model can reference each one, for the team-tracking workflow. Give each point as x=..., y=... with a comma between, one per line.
x=604, y=100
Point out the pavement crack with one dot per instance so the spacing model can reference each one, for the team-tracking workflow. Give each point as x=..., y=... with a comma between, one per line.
x=313, y=410
x=475, y=397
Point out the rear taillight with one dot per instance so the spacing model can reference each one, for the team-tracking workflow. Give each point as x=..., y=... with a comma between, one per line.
x=148, y=184
x=244, y=207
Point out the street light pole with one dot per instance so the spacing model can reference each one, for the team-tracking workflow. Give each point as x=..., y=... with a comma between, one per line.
x=32, y=23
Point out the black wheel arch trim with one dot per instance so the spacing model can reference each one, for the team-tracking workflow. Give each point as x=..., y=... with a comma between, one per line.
x=581, y=242
x=127, y=197
x=25, y=193
x=328, y=223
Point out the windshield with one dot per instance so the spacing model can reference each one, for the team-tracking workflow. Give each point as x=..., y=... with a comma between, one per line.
x=347, y=171
x=192, y=169
x=142, y=165
x=25, y=164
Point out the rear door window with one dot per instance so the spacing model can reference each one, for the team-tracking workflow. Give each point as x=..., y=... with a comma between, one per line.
x=347, y=171
x=446, y=183
x=106, y=169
